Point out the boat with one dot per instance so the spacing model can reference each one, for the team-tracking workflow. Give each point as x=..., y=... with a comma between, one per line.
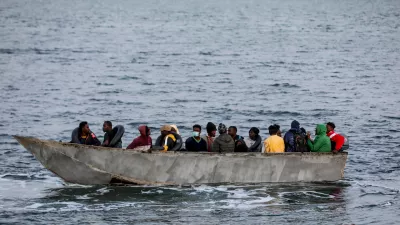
x=83, y=164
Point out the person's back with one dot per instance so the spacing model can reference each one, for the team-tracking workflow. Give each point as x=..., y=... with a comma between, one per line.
x=321, y=143
x=274, y=143
x=289, y=138
x=224, y=142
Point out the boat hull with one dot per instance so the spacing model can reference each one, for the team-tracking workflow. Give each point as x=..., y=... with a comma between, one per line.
x=98, y=165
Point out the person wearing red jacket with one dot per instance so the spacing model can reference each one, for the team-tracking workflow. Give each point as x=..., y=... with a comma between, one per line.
x=337, y=140
x=143, y=141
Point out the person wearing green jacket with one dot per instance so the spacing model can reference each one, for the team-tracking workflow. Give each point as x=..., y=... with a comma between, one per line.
x=321, y=142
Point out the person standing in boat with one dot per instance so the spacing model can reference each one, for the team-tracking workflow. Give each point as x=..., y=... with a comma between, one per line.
x=110, y=134
x=254, y=141
x=274, y=144
x=210, y=136
x=85, y=136
x=168, y=140
x=223, y=143
x=240, y=145
x=144, y=141
x=321, y=142
x=337, y=140
x=196, y=143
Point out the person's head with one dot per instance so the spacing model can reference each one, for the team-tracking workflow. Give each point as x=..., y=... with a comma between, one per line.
x=196, y=130
x=232, y=131
x=253, y=133
x=320, y=129
x=174, y=128
x=273, y=129
x=295, y=124
x=330, y=126
x=84, y=127
x=221, y=128
x=107, y=126
x=165, y=130
x=211, y=129
x=144, y=130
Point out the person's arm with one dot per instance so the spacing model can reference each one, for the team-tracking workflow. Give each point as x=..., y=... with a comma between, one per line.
x=132, y=145
x=215, y=146
x=315, y=145
x=106, y=141
x=267, y=148
x=188, y=147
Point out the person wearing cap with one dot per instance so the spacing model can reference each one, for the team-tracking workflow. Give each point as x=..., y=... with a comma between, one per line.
x=210, y=136
x=223, y=143
x=168, y=139
x=196, y=143
x=337, y=140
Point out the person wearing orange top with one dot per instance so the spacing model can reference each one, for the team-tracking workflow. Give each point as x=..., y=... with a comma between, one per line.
x=274, y=144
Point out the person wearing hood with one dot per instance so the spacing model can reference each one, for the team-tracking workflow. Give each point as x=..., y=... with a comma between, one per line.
x=196, y=143
x=321, y=142
x=210, y=136
x=143, y=142
x=223, y=143
x=167, y=137
x=254, y=141
x=292, y=137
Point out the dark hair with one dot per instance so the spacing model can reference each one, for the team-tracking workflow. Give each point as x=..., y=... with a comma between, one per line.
x=147, y=130
x=273, y=129
x=331, y=124
x=255, y=130
x=81, y=125
x=197, y=126
x=108, y=123
x=233, y=127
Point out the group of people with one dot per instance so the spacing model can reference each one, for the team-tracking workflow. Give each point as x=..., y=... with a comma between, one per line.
x=296, y=139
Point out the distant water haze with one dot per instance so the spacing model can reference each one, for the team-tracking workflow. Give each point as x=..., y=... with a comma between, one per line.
x=243, y=63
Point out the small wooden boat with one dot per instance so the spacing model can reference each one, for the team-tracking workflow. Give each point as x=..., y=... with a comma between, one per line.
x=84, y=164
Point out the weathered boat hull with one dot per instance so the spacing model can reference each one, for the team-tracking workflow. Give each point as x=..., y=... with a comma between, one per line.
x=97, y=165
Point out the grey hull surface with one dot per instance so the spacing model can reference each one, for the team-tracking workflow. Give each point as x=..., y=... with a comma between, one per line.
x=84, y=164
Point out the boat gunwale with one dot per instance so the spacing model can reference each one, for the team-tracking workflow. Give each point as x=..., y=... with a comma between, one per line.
x=101, y=148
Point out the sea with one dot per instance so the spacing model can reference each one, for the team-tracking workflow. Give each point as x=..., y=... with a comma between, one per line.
x=244, y=63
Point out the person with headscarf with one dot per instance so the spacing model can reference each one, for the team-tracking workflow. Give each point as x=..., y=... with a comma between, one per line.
x=210, y=136
x=223, y=143
x=254, y=141
x=143, y=142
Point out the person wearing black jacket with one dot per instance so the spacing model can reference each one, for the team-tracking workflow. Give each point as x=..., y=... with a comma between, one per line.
x=84, y=135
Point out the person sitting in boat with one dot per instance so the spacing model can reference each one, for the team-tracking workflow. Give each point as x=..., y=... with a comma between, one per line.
x=240, y=145
x=112, y=136
x=168, y=139
x=174, y=128
x=223, y=143
x=83, y=135
x=254, y=141
x=210, y=136
x=321, y=142
x=144, y=141
x=196, y=143
x=295, y=138
x=274, y=144
x=337, y=140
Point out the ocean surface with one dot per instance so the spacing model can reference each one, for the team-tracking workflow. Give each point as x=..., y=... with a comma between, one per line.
x=243, y=63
